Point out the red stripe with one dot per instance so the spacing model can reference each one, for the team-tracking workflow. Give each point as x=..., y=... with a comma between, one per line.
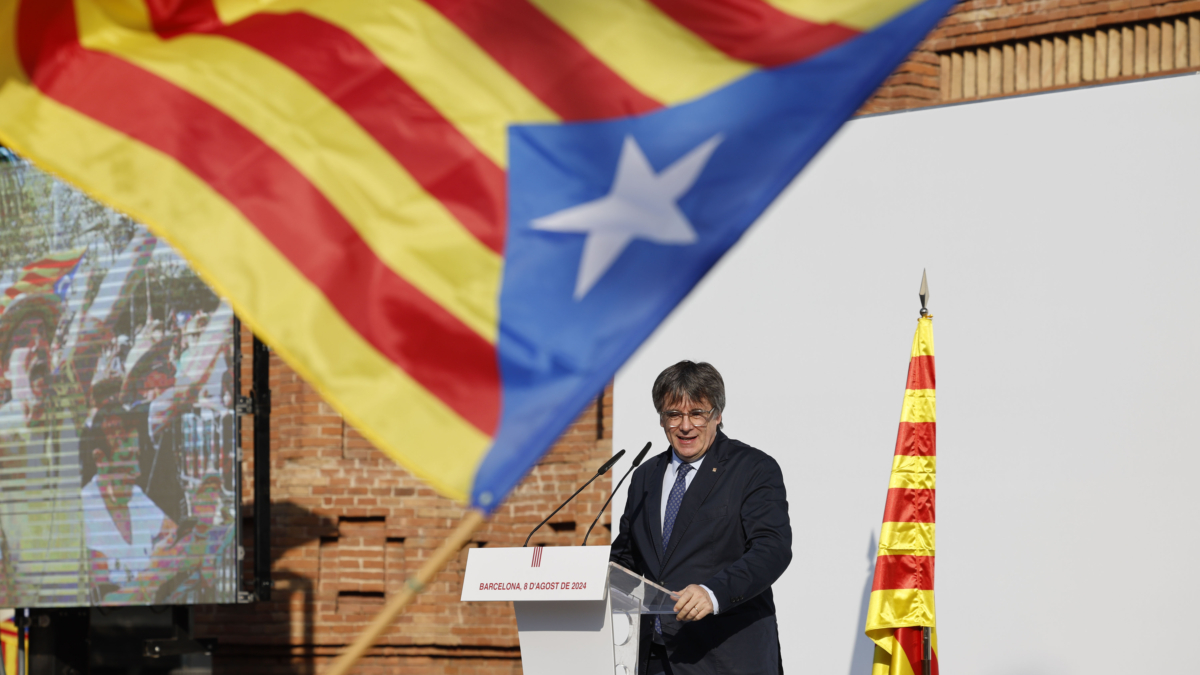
x=917, y=438
x=908, y=505
x=175, y=17
x=754, y=31
x=451, y=361
x=332, y=60
x=896, y=572
x=50, y=263
x=910, y=641
x=38, y=280
x=42, y=28
x=551, y=64
x=921, y=373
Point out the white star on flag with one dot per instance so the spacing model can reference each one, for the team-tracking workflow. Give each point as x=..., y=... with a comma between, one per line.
x=640, y=205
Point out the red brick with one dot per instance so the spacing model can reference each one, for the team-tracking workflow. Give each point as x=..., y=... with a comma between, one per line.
x=986, y=22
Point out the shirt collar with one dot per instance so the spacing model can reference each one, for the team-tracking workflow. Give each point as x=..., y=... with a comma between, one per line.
x=676, y=462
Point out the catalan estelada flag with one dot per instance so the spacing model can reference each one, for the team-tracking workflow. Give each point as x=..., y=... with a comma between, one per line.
x=455, y=218
x=52, y=274
x=902, y=593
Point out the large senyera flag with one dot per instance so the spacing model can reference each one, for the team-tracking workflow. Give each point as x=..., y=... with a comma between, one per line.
x=456, y=218
x=902, y=593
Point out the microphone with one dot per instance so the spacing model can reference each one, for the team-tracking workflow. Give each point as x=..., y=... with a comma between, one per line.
x=636, y=461
x=599, y=472
x=609, y=464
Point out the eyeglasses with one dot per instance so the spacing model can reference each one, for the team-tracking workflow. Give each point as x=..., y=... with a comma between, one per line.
x=699, y=418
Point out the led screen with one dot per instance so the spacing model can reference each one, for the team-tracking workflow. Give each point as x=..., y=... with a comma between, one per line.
x=118, y=437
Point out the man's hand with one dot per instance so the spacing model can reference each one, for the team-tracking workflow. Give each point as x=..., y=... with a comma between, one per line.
x=693, y=604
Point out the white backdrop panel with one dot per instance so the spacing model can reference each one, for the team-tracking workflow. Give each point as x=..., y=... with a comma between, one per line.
x=1060, y=234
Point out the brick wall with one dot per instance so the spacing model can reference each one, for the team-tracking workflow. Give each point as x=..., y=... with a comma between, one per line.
x=1145, y=38
x=349, y=526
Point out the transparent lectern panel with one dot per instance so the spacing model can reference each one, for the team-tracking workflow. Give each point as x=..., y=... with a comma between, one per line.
x=625, y=627
x=651, y=598
x=632, y=596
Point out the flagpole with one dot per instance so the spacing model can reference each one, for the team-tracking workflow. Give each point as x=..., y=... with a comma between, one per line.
x=926, y=642
x=414, y=585
x=926, y=651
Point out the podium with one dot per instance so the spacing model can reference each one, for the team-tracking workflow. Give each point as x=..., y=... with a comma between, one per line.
x=577, y=613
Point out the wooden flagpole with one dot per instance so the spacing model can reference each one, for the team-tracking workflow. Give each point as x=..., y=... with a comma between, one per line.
x=449, y=548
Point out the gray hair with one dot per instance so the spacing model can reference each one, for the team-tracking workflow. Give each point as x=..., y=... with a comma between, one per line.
x=696, y=381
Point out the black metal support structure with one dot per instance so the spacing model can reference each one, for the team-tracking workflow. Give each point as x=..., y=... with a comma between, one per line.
x=58, y=641
x=261, y=394
x=21, y=620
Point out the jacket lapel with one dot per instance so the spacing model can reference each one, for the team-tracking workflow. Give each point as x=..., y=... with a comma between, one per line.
x=696, y=493
x=654, y=502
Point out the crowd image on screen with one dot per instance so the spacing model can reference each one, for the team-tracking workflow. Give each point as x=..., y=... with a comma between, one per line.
x=118, y=448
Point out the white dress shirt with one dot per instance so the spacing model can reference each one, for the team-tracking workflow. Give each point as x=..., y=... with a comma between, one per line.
x=668, y=483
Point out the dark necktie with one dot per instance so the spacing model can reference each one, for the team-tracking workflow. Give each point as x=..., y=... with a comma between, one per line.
x=673, y=502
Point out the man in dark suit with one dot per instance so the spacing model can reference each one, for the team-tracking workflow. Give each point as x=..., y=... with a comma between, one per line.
x=709, y=520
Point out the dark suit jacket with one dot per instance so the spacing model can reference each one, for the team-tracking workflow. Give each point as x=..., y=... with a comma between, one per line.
x=732, y=535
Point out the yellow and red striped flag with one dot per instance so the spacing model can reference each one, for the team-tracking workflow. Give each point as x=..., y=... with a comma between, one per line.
x=52, y=274
x=455, y=218
x=902, y=593
x=8, y=646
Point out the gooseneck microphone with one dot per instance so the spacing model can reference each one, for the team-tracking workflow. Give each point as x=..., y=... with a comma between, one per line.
x=636, y=461
x=599, y=472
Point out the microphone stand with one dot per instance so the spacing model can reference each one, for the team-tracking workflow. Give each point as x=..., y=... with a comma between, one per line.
x=599, y=472
x=636, y=461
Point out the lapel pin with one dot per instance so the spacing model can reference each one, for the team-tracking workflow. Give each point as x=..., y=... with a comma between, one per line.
x=714, y=469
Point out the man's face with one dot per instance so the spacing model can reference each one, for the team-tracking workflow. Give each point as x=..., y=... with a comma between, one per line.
x=193, y=329
x=689, y=441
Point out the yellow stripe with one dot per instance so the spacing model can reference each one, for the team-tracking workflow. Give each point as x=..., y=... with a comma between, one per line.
x=10, y=62
x=25, y=286
x=398, y=415
x=899, y=608
x=857, y=14
x=646, y=47
x=9, y=639
x=923, y=339
x=913, y=481
x=890, y=657
x=413, y=233
x=433, y=56
x=907, y=539
x=891, y=661
x=911, y=471
x=65, y=255
x=920, y=405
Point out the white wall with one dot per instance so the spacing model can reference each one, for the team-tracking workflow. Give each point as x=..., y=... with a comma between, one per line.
x=1061, y=236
